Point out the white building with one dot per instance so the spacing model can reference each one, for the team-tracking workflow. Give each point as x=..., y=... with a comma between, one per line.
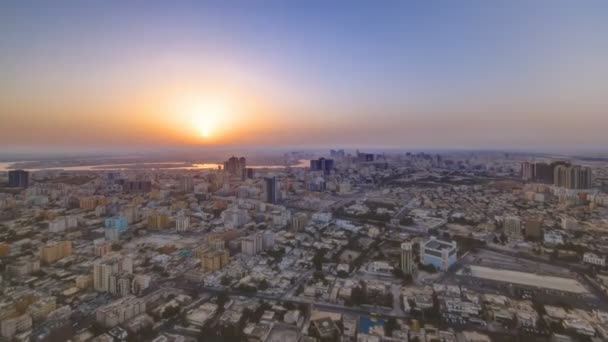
x=553, y=238
x=120, y=311
x=235, y=218
x=593, y=259
x=182, y=223
x=407, y=258
x=441, y=254
x=268, y=239
x=253, y=244
x=106, y=272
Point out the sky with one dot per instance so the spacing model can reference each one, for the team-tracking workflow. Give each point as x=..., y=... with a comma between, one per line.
x=469, y=74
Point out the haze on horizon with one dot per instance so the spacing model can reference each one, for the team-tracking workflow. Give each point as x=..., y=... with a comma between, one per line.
x=470, y=74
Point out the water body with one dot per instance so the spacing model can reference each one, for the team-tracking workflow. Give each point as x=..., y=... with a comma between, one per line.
x=6, y=166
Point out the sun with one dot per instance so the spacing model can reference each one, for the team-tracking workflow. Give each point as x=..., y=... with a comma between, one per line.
x=205, y=117
x=205, y=132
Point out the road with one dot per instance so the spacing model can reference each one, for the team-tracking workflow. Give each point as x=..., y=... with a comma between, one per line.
x=377, y=311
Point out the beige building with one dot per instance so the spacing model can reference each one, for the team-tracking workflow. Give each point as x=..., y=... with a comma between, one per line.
x=84, y=281
x=55, y=250
x=5, y=249
x=214, y=260
x=10, y=327
x=102, y=247
x=91, y=202
x=41, y=308
x=158, y=221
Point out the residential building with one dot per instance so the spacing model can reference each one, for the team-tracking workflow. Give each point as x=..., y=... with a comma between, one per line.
x=12, y=326
x=573, y=177
x=120, y=310
x=182, y=222
x=105, y=272
x=55, y=250
x=407, y=258
x=512, y=227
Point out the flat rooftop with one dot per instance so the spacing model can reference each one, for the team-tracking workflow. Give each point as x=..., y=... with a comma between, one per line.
x=529, y=279
x=438, y=244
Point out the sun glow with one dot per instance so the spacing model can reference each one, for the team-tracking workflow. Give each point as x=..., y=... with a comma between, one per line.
x=205, y=117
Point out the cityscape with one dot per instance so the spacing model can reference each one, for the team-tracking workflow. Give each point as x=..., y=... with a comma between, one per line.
x=365, y=182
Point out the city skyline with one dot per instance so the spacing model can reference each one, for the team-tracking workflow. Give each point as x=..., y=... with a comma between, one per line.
x=471, y=75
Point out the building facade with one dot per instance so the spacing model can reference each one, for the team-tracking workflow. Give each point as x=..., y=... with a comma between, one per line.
x=441, y=254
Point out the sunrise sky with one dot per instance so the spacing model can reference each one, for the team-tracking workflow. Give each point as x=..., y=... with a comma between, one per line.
x=472, y=74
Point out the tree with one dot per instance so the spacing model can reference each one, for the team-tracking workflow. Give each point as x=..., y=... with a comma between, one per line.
x=358, y=296
x=170, y=311
x=222, y=299
x=263, y=285
x=390, y=325
x=318, y=259
x=318, y=275
x=300, y=289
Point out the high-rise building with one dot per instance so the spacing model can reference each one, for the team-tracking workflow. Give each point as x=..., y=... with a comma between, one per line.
x=212, y=261
x=55, y=250
x=9, y=327
x=407, y=258
x=102, y=247
x=18, y=179
x=573, y=177
x=235, y=217
x=512, y=226
x=107, y=273
x=137, y=186
x=299, y=221
x=267, y=239
x=527, y=171
x=365, y=157
x=336, y=153
x=91, y=202
x=322, y=164
x=182, y=222
x=186, y=184
x=119, y=222
x=236, y=167
x=213, y=255
x=158, y=221
x=540, y=172
x=271, y=190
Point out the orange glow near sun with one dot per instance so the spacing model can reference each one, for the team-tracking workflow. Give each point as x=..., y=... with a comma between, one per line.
x=205, y=117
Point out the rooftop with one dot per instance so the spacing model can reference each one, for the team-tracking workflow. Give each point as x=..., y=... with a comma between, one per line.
x=529, y=279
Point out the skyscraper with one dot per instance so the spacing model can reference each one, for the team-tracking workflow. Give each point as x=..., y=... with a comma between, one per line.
x=573, y=177
x=512, y=226
x=407, y=258
x=236, y=166
x=527, y=171
x=271, y=189
x=18, y=179
x=322, y=164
